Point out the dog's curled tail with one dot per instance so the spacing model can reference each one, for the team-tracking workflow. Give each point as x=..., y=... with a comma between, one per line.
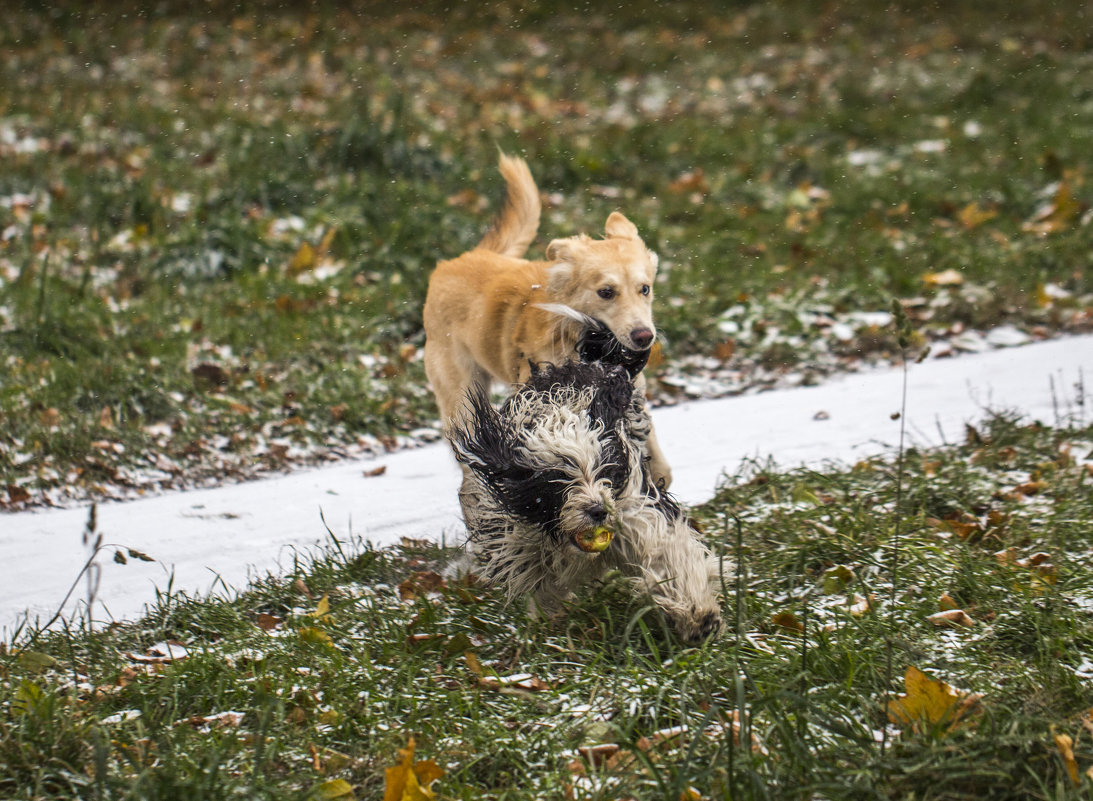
x=516, y=225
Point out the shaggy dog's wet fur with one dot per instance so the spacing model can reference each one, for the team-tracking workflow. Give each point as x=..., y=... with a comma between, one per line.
x=562, y=456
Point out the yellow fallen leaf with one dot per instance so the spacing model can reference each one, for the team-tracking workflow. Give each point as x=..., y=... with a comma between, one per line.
x=929, y=704
x=315, y=636
x=303, y=260
x=972, y=216
x=1065, y=744
x=1054, y=216
x=336, y=788
x=409, y=780
x=322, y=610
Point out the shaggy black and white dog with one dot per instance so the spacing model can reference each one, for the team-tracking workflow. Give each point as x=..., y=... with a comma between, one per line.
x=557, y=494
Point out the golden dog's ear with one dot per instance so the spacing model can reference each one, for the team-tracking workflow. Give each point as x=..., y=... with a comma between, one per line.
x=618, y=226
x=654, y=259
x=564, y=249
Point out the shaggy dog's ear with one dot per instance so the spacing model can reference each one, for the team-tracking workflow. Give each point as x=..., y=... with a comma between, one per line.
x=621, y=228
x=654, y=259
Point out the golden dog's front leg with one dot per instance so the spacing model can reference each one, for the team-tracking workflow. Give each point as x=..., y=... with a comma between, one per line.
x=659, y=470
x=660, y=473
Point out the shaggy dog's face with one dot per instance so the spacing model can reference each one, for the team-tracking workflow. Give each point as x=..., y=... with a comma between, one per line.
x=555, y=457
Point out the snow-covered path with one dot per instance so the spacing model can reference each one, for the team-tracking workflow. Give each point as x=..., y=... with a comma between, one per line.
x=211, y=539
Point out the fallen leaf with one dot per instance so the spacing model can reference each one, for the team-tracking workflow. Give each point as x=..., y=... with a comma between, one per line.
x=1056, y=215
x=972, y=215
x=409, y=780
x=322, y=610
x=339, y=788
x=962, y=529
x=951, y=617
x=694, y=181
x=948, y=277
x=375, y=472
x=788, y=620
x=419, y=583
x=724, y=350
x=1065, y=744
x=301, y=587
x=597, y=755
x=314, y=636
x=930, y=704
x=268, y=622
x=837, y=579
x=1031, y=488
x=207, y=375
x=946, y=602
x=517, y=681
x=304, y=259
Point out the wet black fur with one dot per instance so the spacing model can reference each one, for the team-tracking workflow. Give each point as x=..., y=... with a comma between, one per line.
x=598, y=344
x=537, y=497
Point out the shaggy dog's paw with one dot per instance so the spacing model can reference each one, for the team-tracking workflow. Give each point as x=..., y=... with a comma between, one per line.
x=696, y=628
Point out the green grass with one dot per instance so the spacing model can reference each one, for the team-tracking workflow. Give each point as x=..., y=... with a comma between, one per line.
x=161, y=323
x=161, y=171
x=323, y=695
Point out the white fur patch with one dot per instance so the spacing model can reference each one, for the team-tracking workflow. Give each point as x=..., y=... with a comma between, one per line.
x=567, y=311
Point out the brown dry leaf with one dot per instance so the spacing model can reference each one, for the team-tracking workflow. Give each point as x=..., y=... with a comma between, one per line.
x=375, y=472
x=656, y=358
x=946, y=602
x=268, y=622
x=50, y=417
x=598, y=755
x=972, y=215
x=1031, y=488
x=724, y=350
x=207, y=375
x=468, y=199
x=787, y=620
x=955, y=618
x=930, y=704
x=694, y=181
x=961, y=528
x=302, y=588
x=17, y=494
x=420, y=583
x=948, y=277
x=409, y=780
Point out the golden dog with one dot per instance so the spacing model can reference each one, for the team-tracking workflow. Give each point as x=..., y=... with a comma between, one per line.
x=491, y=314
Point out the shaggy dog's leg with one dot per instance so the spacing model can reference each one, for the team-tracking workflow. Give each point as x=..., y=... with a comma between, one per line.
x=658, y=549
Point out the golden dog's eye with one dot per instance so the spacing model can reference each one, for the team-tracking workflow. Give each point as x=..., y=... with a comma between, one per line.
x=606, y=293
x=645, y=289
